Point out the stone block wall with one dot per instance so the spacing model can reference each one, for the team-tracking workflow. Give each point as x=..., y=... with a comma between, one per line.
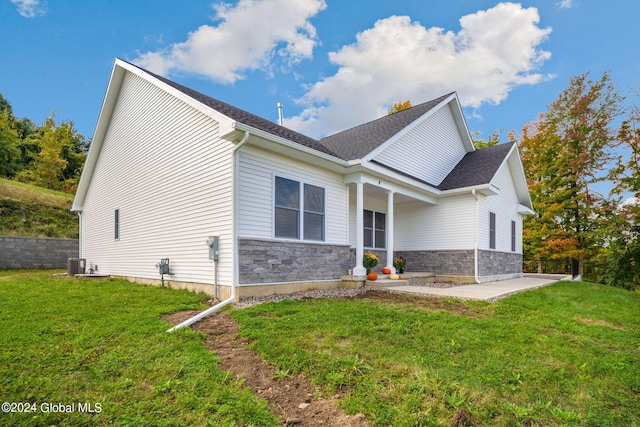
x=461, y=262
x=455, y=263
x=492, y=263
x=273, y=261
x=35, y=252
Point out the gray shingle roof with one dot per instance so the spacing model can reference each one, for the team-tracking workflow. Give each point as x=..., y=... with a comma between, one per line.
x=245, y=117
x=477, y=167
x=357, y=142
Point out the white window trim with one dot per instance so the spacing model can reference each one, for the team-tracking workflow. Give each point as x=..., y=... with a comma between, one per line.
x=301, y=210
x=373, y=238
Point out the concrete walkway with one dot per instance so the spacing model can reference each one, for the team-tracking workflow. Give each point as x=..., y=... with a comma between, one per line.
x=490, y=291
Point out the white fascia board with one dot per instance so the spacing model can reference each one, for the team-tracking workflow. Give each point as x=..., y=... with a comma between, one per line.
x=120, y=68
x=406, y=129
x=519, y=178
x=461, y=123
x=385, y=184
x=295, y=147
x=106, y=111
x=524, y=210
x=224, y=122
x=513, y=162
x=407, y=179
x=484, y=189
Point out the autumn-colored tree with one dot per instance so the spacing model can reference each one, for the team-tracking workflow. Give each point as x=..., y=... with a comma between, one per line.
x=565, y=152
x=399, y=106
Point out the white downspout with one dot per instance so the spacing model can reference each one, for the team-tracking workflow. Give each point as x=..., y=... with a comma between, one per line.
x=234, y=281
x=475, y=245
x=79, y=234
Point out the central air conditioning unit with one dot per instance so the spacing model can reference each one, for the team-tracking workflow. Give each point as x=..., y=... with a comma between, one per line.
x=76, y=266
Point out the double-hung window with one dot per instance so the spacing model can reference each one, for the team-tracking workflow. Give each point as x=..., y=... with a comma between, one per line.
x=313, y=212
x=299, y=210
x=375, y=230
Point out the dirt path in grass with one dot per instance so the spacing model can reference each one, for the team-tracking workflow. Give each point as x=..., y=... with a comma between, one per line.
x=293, y=398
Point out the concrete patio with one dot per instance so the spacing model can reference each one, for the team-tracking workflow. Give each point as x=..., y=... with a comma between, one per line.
x=489, y=291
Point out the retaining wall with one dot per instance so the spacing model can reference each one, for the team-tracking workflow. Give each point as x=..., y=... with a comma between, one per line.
x=36, y=252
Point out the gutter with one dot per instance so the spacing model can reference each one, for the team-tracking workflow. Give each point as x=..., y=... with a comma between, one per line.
x=234, y=281
x=475, y=245
x=299, y=147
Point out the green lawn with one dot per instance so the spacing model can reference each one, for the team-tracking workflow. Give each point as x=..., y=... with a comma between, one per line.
x=72, y=341
x=568, y=354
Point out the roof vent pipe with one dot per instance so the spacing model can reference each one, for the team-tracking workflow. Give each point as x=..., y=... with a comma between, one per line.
x=280, y=113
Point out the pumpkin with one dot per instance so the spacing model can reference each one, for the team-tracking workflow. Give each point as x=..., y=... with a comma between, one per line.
x=394, y=277
x=386, y=270
x=372, y=276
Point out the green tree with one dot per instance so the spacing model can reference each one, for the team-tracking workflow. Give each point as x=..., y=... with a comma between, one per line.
x=565, y=152
x=5, y=106
x=494, y=139
x=399, y=106
x=55, y=156
x=624, y=244
x=9, y=141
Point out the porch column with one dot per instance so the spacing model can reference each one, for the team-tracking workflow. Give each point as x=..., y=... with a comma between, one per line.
x=359, y=269
x=390, y=232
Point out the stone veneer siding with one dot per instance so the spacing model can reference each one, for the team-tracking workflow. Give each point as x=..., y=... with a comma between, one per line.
x=461, y=262
x=36, y=252
x=444, y=263
x=276, y=261
x=492, y=263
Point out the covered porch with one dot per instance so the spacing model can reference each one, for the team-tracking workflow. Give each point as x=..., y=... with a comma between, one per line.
x=373, y=207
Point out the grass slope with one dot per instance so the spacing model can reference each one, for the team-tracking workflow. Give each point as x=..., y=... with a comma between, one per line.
x=72, y=341
x=27, y=210
x=568, y=354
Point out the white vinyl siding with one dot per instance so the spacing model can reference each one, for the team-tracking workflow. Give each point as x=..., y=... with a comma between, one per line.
x=257, y=172
x=429, y=151
x=504, y=205
x=163, y=165
x=449, y=225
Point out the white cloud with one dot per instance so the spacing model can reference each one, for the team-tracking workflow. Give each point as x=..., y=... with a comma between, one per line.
x=565, y=4
x=495, y=51
x=631, y=201
x=249, y=35
x=30, y=8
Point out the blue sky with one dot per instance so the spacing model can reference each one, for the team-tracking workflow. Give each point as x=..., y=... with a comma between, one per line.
x=333, y=64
